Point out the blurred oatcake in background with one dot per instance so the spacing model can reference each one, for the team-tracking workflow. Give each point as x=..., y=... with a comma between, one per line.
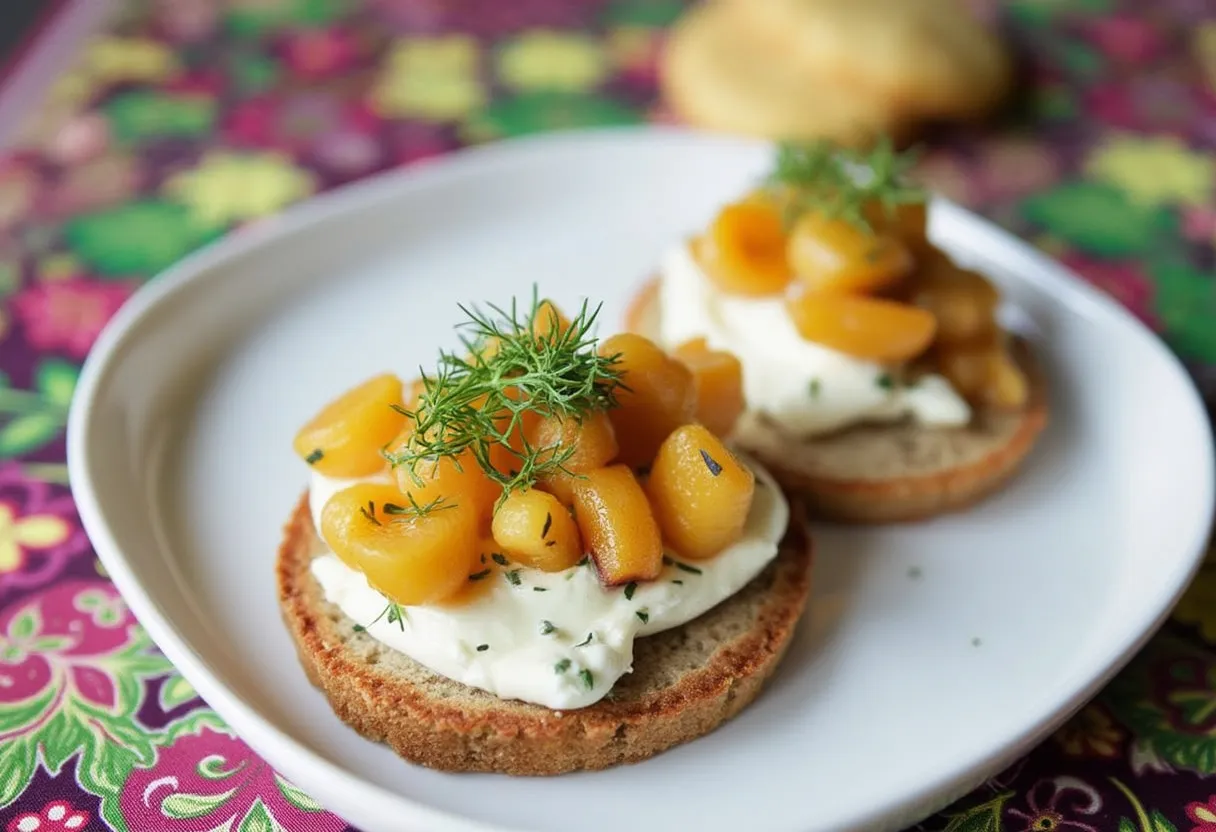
x=845, y=70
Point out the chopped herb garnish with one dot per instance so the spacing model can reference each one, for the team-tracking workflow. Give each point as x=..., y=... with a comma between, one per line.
x=815, y=386
x=914, y=572
x=512, y=577
x=394, y=613
x=499, y=558
x=630, y=588
x=975, y=642
x=414, y=509
x=477, y=576
x=540, y=589
x=818, y=176
x=587, y=678
x=643, y=616
x=483, y=557
x=678, y=582
x=548, y=522
x=562, y=666
x=586, y=560
x=585, y=641
x=481, y=648
x=460, y=412
x=316, y=456
x=885, y=381
x=687, y=567
x=369, y=511
x=711, y=463
x=546, y=627
x=358, y=628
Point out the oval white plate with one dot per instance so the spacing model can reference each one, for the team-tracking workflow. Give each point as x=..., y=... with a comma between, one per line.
x=932, y=655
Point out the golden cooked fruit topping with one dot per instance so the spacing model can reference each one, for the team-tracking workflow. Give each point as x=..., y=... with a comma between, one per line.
x=700, y=493
x=870, y=328
x=535, y=529
x=412, y=554
x=523, y=449
x=618, y=526
x=656, y=396
x=744, y=251
x=345, y=438
x=834, y=255
x=718, y=382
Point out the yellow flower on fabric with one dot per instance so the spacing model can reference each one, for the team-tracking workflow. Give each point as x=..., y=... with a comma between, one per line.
x=433, y=78
x=1204, y=48
x=1154, y=171
x=230, y=187
x=37, y=531
x=121, y=60
x=1198, y=605
x=59, y=266
x=542, y=60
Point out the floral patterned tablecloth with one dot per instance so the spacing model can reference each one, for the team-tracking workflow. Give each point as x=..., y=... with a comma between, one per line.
x=189, y=117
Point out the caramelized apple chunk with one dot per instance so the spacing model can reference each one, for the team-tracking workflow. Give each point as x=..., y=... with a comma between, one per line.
x=345, y=438
x=984, y=373
x=907, y=221
x=458, y=479
x=617, y=525
x=411, y=558
x=834, y=255
x=700, y=493
x=744, y=250
x=590, y=441
x=869, y=328
x=962, y=301
x=718, y=382
x=658, y=396
x=535, y=529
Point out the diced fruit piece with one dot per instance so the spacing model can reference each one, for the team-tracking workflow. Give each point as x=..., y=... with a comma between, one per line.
x=481, y=575
x=617, y=526
x=345, y=438
x=458, y=479
x=833, y=255
x=718, y=382
x=908, y=221
x=547, y=319
x=593, y=441
x=869, y=328
x=412, y=559
x=534, y=528
x=962, y=301
x=660, y=396
x=700, y=493
x=1008, y=388
x=743, y=252
x=984, y=373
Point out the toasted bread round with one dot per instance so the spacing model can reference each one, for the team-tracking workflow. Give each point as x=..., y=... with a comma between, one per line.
x=714, y=79
x=685, y=681
x=890, y=472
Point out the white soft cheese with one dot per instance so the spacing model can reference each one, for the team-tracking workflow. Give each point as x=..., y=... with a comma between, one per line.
x=804, y=387
x=561, y=669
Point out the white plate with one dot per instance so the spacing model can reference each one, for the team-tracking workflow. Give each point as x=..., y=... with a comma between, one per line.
x=899, y=692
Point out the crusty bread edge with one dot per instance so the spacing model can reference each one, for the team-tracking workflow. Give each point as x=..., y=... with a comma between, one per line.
x=441, y=735
x=875, y=501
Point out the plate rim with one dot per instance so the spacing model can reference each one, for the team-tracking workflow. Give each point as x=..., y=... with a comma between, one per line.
x=261, y=735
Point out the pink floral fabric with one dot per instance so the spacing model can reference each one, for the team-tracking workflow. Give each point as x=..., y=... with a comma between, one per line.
x=189, y=118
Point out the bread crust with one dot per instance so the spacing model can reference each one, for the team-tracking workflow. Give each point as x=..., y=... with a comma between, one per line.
x=436, y=722
x=837, y=477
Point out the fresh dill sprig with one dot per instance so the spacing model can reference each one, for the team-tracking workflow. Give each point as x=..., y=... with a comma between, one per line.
x=414, y=509
x=395, y=615
x=841, y=183
x=476, y=401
